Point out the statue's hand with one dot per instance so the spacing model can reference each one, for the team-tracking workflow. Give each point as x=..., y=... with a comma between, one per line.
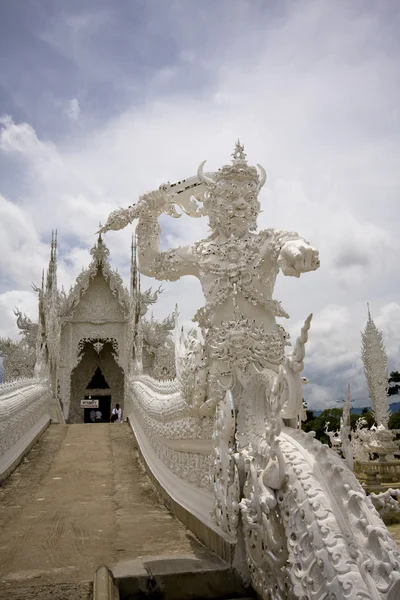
x=118, y=219
x=298, y=257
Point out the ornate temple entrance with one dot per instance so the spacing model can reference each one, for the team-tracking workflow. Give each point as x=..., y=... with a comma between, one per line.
x=98, y=377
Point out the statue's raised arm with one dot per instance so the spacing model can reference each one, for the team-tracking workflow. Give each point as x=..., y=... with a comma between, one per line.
x=235, y=264
x=173, y=263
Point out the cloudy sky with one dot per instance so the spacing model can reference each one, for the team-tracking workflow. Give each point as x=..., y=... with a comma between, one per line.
x=101, y=100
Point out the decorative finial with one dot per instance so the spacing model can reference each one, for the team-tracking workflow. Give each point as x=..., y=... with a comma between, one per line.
x=239, y=153
x=52, y=246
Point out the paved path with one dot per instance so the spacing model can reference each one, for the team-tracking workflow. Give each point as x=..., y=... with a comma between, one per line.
x=78, y=500
x=395, y=532
x=81, y=499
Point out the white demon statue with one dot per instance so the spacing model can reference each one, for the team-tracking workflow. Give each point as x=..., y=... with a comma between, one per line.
x=307, y=528
x=236, y=266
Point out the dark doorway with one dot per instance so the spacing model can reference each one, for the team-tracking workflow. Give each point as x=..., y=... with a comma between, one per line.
x=104, y=408
x=98, y=381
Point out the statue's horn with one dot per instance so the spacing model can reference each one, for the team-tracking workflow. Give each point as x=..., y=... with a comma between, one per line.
x=203, y=178
x=263, y=177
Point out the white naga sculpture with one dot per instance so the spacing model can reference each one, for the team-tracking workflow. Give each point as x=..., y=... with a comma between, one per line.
x=291, y=504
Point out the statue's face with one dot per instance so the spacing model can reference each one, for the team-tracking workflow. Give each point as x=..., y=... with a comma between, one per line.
x=233, y=207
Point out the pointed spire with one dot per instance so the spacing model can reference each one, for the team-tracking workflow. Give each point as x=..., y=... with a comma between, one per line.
x=134, y=271
x=374, y=357
x=48, y=278
x=55, y=247
x=134, y=251
x=239, y=153
x=51, y=282
x=346, y=412
x=52, y=246
x=99, y=251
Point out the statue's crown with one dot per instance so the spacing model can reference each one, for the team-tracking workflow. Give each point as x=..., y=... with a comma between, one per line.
x=239, y=170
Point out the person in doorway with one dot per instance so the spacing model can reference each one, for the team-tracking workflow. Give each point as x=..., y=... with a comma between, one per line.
x=99, y=416
x=92, y=416
x=116, y=416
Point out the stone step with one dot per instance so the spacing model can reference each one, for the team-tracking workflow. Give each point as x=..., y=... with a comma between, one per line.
x=178, y=578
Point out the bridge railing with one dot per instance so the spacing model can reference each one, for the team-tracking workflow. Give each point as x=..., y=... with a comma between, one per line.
x=24, y=414
x=179, y=452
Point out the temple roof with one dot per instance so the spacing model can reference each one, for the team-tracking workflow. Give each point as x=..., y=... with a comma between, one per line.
x=99, y=263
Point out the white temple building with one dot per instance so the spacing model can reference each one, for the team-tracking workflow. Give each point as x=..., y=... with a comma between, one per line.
x=86, y=340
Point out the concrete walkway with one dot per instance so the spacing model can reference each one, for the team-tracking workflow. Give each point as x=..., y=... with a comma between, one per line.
x=81, y=499
x=395, y=532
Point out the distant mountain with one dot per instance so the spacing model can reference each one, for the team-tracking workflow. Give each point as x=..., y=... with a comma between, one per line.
x=395, y=407
x=357, y=410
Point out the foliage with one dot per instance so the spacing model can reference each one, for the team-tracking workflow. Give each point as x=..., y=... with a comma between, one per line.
x=329, y=415
x=332, y=416
x=394, y=421
x=18, y=359
x=368, y=415
x=394, y=383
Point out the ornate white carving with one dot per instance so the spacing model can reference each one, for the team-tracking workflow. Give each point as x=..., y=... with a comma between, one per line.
x=24, y=409
x=263, y=529
x=338, y=545
x=386, y=502
x=98, y=310
x=100, y=254
x=334, y=438
x=165, y=418
x=309, y=530
x=345, y=432
x=158, y=345
x=19, y=357
x=98, y=346
x=376, y=372
x=224, y=469
x=359, y=441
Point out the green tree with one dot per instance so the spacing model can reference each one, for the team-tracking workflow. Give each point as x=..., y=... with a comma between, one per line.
x=394, y=421
x=309, y=413
x=329, y=415
x=368, y=415
x=394, y=383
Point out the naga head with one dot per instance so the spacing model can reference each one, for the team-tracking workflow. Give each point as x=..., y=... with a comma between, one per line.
x=231, y=199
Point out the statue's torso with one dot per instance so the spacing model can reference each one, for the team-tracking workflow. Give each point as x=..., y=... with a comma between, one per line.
x=241, y=272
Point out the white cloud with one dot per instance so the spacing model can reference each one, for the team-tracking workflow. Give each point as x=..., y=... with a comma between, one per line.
x=73, y=110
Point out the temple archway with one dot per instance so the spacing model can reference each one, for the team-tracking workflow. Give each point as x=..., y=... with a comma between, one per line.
x=98, y=376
